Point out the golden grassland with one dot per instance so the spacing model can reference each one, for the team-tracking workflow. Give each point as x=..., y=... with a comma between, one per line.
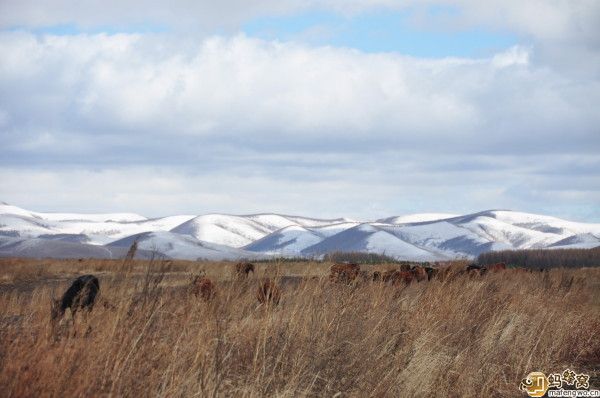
x=148, y=336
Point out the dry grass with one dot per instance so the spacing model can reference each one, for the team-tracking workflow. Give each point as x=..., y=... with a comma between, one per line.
x=462, y=337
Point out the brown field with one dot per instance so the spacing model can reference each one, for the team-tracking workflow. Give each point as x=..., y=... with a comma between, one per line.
x=148, y=336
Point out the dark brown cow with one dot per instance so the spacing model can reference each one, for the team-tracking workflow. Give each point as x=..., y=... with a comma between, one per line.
x=344, y=273
x=268, y=292
x=376, y=277
x=80, y=295
x=475, y=270
x=496, y=267
x=431, y=272
x=244, y=269
x=203, y=287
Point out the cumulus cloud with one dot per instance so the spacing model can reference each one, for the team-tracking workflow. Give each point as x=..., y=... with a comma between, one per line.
x=121, y=90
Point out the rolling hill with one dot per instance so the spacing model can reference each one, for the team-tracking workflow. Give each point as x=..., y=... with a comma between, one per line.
x=418, y=237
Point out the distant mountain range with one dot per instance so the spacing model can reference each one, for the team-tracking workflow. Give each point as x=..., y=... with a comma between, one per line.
x=414, y=237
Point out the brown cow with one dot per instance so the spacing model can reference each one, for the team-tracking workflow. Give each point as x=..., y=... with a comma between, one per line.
x=405, y=267
x=396, y=277
x=344, y=273
x=203, y=287
x=419, y=273
x=403, y=277
x=243, y=269
x=268, y=292
x=390, y=275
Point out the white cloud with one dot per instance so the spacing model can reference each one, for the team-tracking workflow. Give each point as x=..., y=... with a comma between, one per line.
x=278, y=92
x=229, y=123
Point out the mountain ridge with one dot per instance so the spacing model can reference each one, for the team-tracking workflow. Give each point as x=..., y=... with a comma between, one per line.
x=418, y=237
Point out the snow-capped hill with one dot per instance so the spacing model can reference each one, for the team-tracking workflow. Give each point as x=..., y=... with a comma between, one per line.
x=329, y=230
x=53, y=248
x=294, y=239
x=582, y=241
x=181, y=246
x=234, y=231
x=545, y=223
x=274, y=222
x=372, y=239
x=19, y=225
x=515, y=236
x=440, y=237
x=425, y=236
x=117, y=217
x=416, y=218
x=286, y=241
x=239, y=231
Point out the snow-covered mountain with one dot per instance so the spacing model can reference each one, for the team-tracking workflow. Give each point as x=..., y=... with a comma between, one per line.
x=180, y=246
x=418, y=237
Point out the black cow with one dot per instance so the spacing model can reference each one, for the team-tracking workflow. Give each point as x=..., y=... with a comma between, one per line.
x=80, y=295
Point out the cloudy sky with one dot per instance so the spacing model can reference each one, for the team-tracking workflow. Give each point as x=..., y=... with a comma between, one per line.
x=352, y=108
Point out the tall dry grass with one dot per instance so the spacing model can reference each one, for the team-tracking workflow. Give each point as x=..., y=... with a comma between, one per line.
x=462, y=337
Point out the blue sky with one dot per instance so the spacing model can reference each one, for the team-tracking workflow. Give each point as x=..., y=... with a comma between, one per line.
x=358, y=108
x=382, y=31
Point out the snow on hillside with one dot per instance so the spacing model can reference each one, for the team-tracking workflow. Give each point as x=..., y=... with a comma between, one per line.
x=415, y=218
x=513, y=235
x=19, y=225
x=120, y=217
x=582, y=241
x=329, y=230
x=371, y=238
x=441, y=237
x=425, y=236
x=182, y=246
x=234, y=231
x=48, y=248
x=239, y=231
x=286, y=241
x=545, y=223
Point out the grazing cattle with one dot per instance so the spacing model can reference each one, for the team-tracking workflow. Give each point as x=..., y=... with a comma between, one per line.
x=496, y=267
x=243, y=269
x=344, y=273
x=376, y=277
x=403, y=277
x=431, y=272
x=268, y=292
x=419, y=273
x=396, y=277
x=80, y=295
x=405, y=267
x=390, y=275
x=203, y=287
x=475, y=270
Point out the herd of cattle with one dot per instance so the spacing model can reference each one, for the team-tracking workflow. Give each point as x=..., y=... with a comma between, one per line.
x=82, y=293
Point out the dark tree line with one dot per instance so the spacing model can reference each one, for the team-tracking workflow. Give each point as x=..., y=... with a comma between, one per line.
x=543, y=258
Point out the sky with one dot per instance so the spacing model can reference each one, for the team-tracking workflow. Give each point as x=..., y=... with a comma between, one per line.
x=355, y=108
